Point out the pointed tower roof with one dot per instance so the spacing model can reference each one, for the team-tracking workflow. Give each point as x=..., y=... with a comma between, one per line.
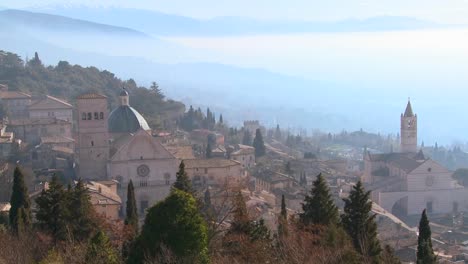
x=409, y=110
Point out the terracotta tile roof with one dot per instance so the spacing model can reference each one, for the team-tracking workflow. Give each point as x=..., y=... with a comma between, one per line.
x=98, y=189
x=63, y=150
x=92, y=96
x=210, y=163
x=181, y=152
x=405, y=161
x=14, y=95
x=56, y=139
x=49, y=102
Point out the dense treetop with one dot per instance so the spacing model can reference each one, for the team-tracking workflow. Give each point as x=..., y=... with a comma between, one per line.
x=68, y=81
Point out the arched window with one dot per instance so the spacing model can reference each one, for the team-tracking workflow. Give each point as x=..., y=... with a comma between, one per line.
x=96, y=116
x=90, y=116
x=83, y=116
x=101, y=115
x=92, y=143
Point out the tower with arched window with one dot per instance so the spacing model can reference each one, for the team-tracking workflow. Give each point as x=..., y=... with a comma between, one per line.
x=93, y=139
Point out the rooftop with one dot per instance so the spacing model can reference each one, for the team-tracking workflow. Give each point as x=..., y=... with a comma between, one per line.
x=97, y=188
x=14, y=95
x=406, y=161
x=210, y=163
x=56, y=139
x=182, y=152
x=38, y=121
x=49, y=102
x=92, y=96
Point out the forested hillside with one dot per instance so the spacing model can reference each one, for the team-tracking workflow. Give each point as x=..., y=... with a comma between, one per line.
x=68, y=81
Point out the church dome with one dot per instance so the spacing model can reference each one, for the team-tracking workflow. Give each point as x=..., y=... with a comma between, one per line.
x=125, y=119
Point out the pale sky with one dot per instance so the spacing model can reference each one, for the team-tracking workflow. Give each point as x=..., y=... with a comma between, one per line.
x=443, y=11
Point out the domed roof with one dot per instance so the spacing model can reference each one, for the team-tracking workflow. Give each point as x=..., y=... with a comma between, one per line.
x=125, y=119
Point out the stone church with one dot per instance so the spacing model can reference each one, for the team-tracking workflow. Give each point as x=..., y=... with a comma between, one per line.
x=407, y=182
x=119, y=146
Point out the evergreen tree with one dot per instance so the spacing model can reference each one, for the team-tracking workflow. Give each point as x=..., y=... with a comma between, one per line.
x=319, y=207
x=209, y=152
x=247, y=138
x=81, y=220
x=19, y=199
x=176, y=224
x=277, y=133
x=241, y=220
x=100, y=250
x=388, y=256
x=207, y=199
x=425, y=253
x=287, y=168
x=283, y=218
x=220, y=119
x=131, y=217
x=182, y=180
x=52, y=210
x=360, y=224
x=258, y=144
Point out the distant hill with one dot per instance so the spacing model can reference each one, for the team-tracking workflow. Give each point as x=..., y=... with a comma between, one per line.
x=158, y=23
x=33, y=20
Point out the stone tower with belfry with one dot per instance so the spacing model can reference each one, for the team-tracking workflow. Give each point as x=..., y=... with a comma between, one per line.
x=409, y=130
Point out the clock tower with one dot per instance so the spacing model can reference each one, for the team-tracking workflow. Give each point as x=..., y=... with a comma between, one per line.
x=409, y=130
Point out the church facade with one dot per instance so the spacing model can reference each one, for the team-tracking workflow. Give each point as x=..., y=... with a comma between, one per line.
x=119, y=146
x=407, y=182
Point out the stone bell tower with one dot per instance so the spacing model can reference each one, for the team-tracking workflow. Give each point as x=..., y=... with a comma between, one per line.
x=409, y=130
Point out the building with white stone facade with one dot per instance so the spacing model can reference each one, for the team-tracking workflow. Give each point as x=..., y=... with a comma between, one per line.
x=407, y=182
x=119, y=146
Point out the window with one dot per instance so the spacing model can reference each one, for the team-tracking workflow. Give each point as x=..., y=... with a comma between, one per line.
x=96, y=116
x=92, y=143
x=167, y=178
x=143, y=183
x=206, y=170
x=101, y=115
x=83, y=116
x=89, y=116
x=141, y=157
x=429, y=169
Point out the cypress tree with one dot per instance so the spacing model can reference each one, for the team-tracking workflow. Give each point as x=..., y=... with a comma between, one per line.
x=83, y=225
x=319, y=207
x=425, y=253
x=258, y=144
x=241, y=220
x=182, y=180
x=52, y=215
x=19, y=199
x=220, y=119
x=208, y=153
x=131, y=217
x=360, y=224
x=277, y=133
x=283, y=218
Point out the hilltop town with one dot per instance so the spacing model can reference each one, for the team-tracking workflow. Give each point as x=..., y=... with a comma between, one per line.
x=108, y=140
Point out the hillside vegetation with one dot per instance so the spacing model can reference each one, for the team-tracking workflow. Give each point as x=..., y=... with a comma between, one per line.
x=68, y=81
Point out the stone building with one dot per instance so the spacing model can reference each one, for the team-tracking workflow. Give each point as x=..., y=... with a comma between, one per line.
x=92, y=136
x=50, y=107
x=119, y=146
x=245, y=155
x=16, y=103
x=405, y=183
x=31, y=130
x=215, y=171
x=104, y=198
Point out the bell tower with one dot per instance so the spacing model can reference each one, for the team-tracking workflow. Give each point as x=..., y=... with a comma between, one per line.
x=409, y=130
x=93, y=139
